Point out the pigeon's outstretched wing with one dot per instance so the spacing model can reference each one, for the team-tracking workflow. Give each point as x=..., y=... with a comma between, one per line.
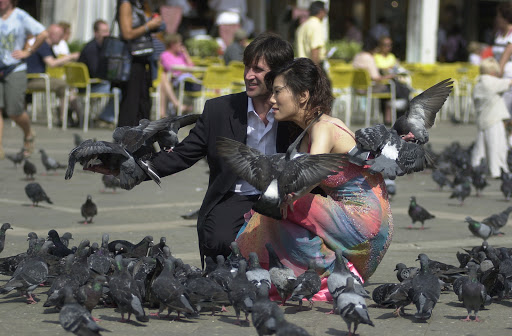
x=422, y=111
x=372, y=138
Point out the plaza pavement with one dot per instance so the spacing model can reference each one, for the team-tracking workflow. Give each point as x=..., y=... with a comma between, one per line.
x=149, y=209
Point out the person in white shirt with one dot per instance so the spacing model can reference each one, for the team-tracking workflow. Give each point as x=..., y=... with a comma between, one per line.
x=491, y=140
x=62, y=47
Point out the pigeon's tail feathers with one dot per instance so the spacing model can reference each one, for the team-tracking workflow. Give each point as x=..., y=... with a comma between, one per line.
x=424, y=307
x=47, y=199
x=430, y=159
x=363, y=316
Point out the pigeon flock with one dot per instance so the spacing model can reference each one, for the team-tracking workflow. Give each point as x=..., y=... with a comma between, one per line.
x=145, y=281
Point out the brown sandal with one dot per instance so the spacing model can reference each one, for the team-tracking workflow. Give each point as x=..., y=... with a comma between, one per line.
x=28, y=144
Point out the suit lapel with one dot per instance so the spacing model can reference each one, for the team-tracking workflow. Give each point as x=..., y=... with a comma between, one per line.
x=238, y=118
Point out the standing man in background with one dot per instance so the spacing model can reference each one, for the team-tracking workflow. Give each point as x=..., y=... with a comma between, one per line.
x=310, y=35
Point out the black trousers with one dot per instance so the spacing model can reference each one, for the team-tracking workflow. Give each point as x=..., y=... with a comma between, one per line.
x=222, y=224
x=135, y=101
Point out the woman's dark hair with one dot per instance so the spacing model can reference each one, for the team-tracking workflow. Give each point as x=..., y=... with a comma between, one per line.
x=275, y=51
x=369, y=43
x=302, y=75
x=505, y=10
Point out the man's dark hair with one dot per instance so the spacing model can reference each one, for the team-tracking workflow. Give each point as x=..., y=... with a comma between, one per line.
x=275, y=51
x=96, y=25
x=316, y=7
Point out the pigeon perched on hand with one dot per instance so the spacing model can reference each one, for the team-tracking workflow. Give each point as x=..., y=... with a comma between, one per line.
x=36, y=193
x=418, y=213
x=50, y=163
x=278, y=175
x=89, y=210
x=3, y=229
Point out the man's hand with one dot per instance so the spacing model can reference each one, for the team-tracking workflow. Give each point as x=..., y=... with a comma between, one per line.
x=20, y=54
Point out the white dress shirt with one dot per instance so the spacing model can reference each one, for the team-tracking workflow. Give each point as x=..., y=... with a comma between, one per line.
x=261, y=137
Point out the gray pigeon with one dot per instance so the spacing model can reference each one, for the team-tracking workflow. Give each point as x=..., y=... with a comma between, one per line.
x=282, y=277
x=440, y=178
x=3, y=229
x=110, y=182
x=65, y=238
x=263, y=313
x=255, y=274
x=76, y=319
x=222, y=274
x=99, y=261
x=497, y=221
x=29, y=169
x=50, y=163
x=89, y=210
x=506, y=184
x=425, y=290
x=403, y=272
x=479, y=229
x=242, y=293
x=36, y=193
x=473, y=293
x=279, y=174
x=204, y=292
x=125, y=293
x=461, y=191
x=418, y=213
x=352, y=307
x=307, y=285
x=17, y=158
x=141, y=249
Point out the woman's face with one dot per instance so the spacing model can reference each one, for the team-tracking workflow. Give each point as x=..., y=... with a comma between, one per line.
x=386, y=46
x=283, y=101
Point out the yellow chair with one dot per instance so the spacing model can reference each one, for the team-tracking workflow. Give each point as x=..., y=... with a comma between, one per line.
x=77, y=76
x=47, y=97
x=362, y=85
x=237, y=76
x=341, y=76
x=154, y=91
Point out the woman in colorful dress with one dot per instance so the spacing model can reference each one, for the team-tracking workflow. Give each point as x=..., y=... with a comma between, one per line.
x=354, y=215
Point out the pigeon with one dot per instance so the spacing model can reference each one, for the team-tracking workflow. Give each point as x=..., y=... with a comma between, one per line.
x=278, y=175
x=76, y=319
x=36, y=193
x=60, y=250
x=307, y=285
x=65, y=238
x=441, y=179
x=140, y=249
x=110, y=182
x=479, y=229
x=422, y=111
x=381, y=293
x=204, y=292
x=257, y=275
x=352, y=307
x=425, y=290
x=337, y=280
x=222, y=274
x=418, y=213
x=17, y=158
x=242, y=293
x=50, y=163
x=89, y=210
x=77, y=138
x=263, y=313
x=506, y=184
x=9, y=264
x=391, y=188
x=167, y=137
x=28, y=276
x=125, y=293
x=282, y=277
x=404, y=272
x=479, y=182
x=169, y=292
x=99, y=261
x=473, y=294
x=497, y=221
x=158, y=249
x=461, y=191
x=233, y=259
x=3, y=229
x=29, y=169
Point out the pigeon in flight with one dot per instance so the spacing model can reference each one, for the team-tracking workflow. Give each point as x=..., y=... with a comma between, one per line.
x=280, y=174
x=36, y=193
x=89, y=210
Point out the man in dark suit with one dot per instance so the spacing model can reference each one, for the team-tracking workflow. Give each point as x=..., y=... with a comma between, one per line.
x=246, y=117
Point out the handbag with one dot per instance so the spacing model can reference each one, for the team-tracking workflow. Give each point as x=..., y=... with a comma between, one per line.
x=117, y=60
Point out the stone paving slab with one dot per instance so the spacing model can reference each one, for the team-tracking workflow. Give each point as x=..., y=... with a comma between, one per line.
x=149, y=209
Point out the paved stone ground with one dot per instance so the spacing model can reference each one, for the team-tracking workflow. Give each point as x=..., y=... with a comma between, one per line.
x=149, y=209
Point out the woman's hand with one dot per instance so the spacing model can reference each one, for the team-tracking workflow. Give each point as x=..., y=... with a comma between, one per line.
x=154, y=23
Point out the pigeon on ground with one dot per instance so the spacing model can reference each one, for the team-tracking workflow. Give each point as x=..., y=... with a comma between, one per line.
x=222, y=274
x=381, y=293
x=473, y=294
x=50, y=163
x=158, y=249
x=89, y=210
x=425, y=290
x=307, y=285
x=278, y=175
x=8, y=265
x=204, y=292
x=263, y=313
x=140, y=249
x=441, y=179
x=125, y=293
x=99, y=261
x=257, y=275
x=36, y=193
x=479, y=229
x=497, y=221
x=3, y=229
x=242, y=293
x=479, y=182
x=17, y=158
x=110, y=182
x=65, y=238
x=233, y=259
x=404, y=272
x=76, y=319
x=113, y=159
x=59, y=250
x=29, y=169
x=282, y=277
x=418, y=213
x=506, y=184
x=352, y=307
x=461, y=191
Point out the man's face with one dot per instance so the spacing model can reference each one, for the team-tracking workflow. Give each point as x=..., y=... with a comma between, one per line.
x=55, y=34
x=254, y=77
x=102, y=32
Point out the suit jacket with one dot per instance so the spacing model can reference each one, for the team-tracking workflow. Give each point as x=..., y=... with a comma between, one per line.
x=224, y=116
